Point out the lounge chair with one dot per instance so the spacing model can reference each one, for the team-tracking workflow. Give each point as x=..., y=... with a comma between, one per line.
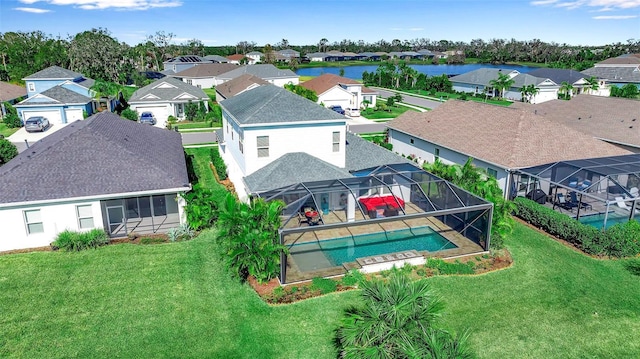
x=622, y=204
x=563, y=203
x=585, y=184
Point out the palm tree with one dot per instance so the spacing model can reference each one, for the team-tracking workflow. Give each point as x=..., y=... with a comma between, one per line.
x=566, y=89
x=593, y=84
x=398, y=321
x=104, y=91
x=529, y=92
x=502, y=83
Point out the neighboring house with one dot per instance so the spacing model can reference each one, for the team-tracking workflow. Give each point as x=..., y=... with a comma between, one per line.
x=254, y=57
x=237, y=86
x=10, y=93
x=479, y=82
x=511, y=138
x=216, y=59
x=104, y=172
x=268, y=128
x=166, y=97
x=576, y=79
x=611, y=119
x=617, y=71
x=266, y=72
x=333, y=90
x=236, y=58
x=205, y=75
x=181, y=63
x=317, y=56
x=60, y=95
x=287, y=54
x=369, y=56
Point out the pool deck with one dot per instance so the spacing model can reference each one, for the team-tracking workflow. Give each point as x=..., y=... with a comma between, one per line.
x=465, y=247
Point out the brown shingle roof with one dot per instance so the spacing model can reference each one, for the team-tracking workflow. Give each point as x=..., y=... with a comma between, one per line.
x=633, y=59
x=508, y=137
x=324, y=82
x=206, y=70
x=238, y=85
x=608, y=118
x=10, y=91
x=236, y=57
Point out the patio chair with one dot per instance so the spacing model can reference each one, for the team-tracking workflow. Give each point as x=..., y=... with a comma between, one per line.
x=585, y=184
x=622, y=204
x=564, y=204
x=302, y=219
x=634, y=192
x=574, y=200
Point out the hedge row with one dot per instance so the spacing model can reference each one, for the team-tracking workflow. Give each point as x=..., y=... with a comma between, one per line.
x=620, y=240
x=218, y=163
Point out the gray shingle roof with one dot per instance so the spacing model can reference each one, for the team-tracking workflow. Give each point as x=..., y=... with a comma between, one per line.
x=614, y=74
x=54, y=72
x=291, y=169
x=479, y=77
x=263, y=71
x=186, y=59
x=216, y=58
x=101, y=155
x=206, y=70
x=59, y=95
x=271, y=104
x=558, y=75
x=166, y=94
x=526, y=79
x=362, y=154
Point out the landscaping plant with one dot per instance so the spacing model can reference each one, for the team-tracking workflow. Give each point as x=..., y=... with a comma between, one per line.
x=76, y=241
x=201, y=208
x=218, y=163
x=7, y=151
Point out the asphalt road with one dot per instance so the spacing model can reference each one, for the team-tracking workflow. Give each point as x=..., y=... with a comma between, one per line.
x=411, y=100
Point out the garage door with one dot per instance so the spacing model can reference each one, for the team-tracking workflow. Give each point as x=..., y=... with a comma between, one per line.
x=160, y=112
x=73, y=114
x=54, y=116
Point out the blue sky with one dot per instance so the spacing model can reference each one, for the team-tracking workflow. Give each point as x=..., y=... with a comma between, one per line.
x=215, y=22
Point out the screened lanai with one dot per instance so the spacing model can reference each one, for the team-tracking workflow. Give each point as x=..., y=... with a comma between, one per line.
x=332, y=226
x=596, y=191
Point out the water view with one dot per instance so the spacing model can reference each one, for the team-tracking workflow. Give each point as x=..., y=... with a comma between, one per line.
x=355, y=72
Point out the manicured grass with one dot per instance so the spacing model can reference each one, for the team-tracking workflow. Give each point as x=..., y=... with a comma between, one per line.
x=176, y=300
x=396, y=110
x=211, y=93
x=201, y=159
x=188, y=124
x=127, y=91
x=6, y=131
x=447, y=96
x=306, y=78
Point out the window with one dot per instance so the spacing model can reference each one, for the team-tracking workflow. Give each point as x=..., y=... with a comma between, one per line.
x=189, y=81
x=241, y=142
x=336, y=141
x=491, y=172
x=263, y=146
x=85, y=216
x=33, y=221
x=436, y=154
x=32, y=86
x=411, y=140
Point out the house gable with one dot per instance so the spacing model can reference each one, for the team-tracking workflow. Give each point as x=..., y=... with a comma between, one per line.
x=164, y=85
x=185, y=96
x=150, y=97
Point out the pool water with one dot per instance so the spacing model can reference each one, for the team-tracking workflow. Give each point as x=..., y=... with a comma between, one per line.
x=341, y=250
x=596, y=220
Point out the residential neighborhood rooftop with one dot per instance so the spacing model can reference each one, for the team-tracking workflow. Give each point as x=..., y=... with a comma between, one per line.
x=57, y=94
x=481, y=76
x=264, y=71
x=272, y=104
x=631, y=59
x=54, y=72
x=103, y=154
x=10, y=91
x=239, y=84
x=615, y=74
x=206, y=70
x=325, y=82
x=510, y=137
x=167, y=88
x=361, y=154
x=558, y=75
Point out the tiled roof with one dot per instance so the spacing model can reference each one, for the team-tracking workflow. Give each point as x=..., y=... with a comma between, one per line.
x=263, y=71
x=166, y=94
x=362, y=154
x=238, y=85
x=59, y=95
x=290, y=169
x=324, y=82
x=272, y=104
x=11, y=92
x=236, y=57
x=206, y=70
x=508, y=137
x=608, y=118
x=103, y=154
x=54, y=72
x=615, y=74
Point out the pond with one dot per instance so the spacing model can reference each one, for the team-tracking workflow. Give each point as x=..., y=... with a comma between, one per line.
x=355, y=72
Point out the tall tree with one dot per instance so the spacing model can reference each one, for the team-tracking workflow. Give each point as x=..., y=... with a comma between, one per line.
x=593, y=84
x=269, y=54
x=502, y=83
x=322, y=45
x=162, y=42
x=566, y=89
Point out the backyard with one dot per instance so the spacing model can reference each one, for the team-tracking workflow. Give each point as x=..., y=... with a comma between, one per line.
x=176, y=300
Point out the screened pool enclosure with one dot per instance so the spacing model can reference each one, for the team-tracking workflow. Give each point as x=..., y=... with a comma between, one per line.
x=596, y=191
x=331, y=226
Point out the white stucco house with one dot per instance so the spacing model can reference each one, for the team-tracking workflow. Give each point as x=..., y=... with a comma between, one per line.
x=254, y=57
x=333, y=90
x=166, y=97
x=272, y=138
x=498, y=139
x=104, y=172
x=204, y=76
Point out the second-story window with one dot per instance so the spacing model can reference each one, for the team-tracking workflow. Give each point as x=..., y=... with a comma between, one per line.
x=32, y=86
x=336, y=141
x=263, y=146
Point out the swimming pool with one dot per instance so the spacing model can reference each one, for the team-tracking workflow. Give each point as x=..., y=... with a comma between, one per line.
x=335, y=252
x=596, y=220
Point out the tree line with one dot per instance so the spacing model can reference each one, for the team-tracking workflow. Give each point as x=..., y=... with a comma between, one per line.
x=96, y=53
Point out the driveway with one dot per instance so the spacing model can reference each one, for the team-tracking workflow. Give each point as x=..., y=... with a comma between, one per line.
x=408, y=98
x=21, y=137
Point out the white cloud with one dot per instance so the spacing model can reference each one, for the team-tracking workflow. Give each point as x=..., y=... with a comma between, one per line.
x=615, y=17
x=543, y=2
x=603, y=5
x=416, y=29
x=32, y=10
x=111, y=4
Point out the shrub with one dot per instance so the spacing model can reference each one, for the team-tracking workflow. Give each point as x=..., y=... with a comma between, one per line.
x=324, y=285
x=216, y=110
x=218, y=163
x=129, y=114
x=352, y=278
x=463, y=97
x=181, y=233
x=201, y=208
x=633, y=266
x=441, y=267
x=76, y=241
x=622, y=239
x=7, y=151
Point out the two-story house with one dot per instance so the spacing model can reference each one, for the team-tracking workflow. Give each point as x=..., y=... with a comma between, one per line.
x=272, y=138
x=334, y=90
x=60, y=95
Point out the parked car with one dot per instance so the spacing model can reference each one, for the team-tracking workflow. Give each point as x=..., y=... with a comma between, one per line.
x=337, y=109
x=148, y=117
x=36, y=124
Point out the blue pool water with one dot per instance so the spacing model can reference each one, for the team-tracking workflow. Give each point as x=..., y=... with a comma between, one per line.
x=596, y=220
x=310, y=256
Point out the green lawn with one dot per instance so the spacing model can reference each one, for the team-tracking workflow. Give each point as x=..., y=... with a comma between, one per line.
x=201, y=159
x=211, y=93
x=447, y=96
x=189, y=125
x=6, y=131
x=396, y=110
